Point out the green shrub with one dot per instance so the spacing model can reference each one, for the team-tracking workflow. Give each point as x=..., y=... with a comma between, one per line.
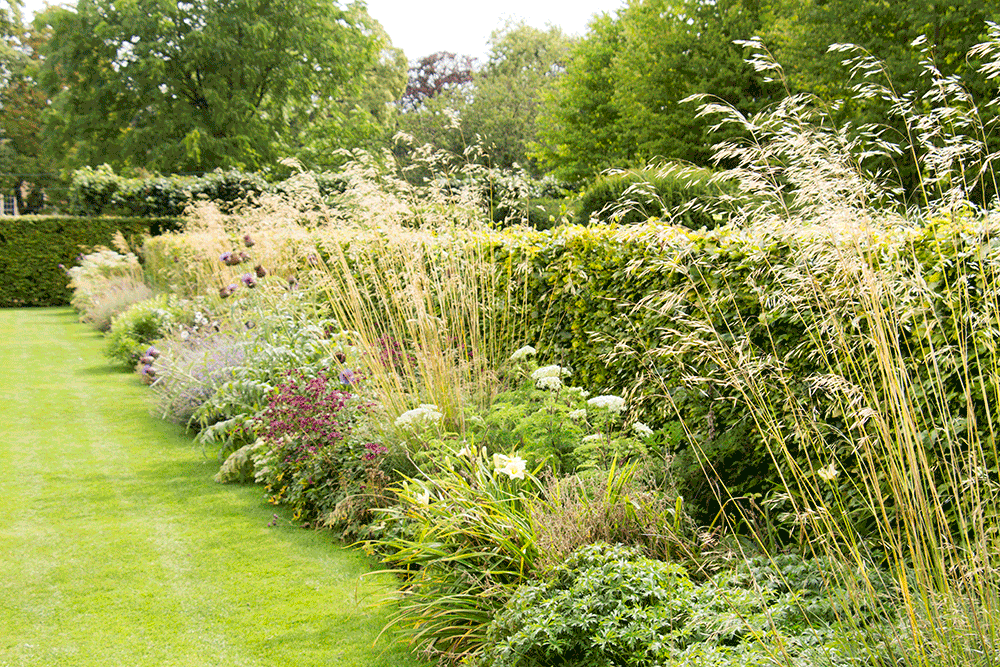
x=606, y=605
x=35, y=252
x=98, y=191
x=135, y=330
x=636, y=195
x=463, y=540
x=91, y=190
x=609, y=605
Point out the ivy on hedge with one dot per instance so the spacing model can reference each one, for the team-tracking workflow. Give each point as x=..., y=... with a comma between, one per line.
x=33, y=248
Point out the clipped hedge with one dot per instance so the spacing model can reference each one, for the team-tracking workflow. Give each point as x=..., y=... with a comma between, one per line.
x=32, y=249
x=639, y=310
x=636, y=195
x=99, y=191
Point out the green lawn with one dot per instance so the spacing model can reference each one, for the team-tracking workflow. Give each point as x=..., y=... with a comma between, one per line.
x=117, y=548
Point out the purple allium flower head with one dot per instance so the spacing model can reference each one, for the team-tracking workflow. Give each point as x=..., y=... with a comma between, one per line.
x=349, y=377
x=148, y=371
x=228, y=290
x=146, y=359
x=260, y=271
x=248, y=280
x=152, y=352
x=226, y=257
x=247, y=241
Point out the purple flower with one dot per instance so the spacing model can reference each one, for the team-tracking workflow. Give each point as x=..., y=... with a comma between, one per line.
x=152, y=352
x=226, y=257
x=227, y=291
x=247, y=241
x=260, y=271
x=248, y=280
x=373, y=450
x=349, y=377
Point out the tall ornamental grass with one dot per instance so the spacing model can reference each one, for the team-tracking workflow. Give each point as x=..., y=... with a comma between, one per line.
x=874, y=382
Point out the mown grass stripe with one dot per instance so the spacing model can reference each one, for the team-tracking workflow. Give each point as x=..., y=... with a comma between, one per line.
x=117, y=548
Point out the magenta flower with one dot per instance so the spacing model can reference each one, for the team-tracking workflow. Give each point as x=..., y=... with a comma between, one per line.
x=248, y=280
x=247, y=241
x=228, y=290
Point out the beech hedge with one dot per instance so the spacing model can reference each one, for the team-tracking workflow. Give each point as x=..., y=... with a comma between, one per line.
x=640, y=311
x=32, y=248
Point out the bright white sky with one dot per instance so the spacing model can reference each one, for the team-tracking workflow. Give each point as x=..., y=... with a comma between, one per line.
x=422, y=27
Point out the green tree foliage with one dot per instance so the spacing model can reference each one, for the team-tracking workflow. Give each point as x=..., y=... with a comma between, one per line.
x=10, y=16
x=437, y=93
x=451, y=105
x=364, y=118
x=523, y=63
x=622, y=99
x=202, y=84
x=24, y=171
x=800, y=33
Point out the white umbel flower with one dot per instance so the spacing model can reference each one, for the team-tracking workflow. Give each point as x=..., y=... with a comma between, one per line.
x=523, y=353
x=425, y=415
x=611, y=403
x=642, y=430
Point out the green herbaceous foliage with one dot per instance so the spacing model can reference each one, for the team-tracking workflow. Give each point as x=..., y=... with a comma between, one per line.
x=120, y=549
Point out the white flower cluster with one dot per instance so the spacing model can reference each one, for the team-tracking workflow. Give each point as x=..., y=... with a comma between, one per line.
x=523, y=353
x=512, y=466
x=578, y=390
x=642, y=430
x=425, y=415
x=593, y=437
x=549, y=377
x=577, y=415
x=612, y=403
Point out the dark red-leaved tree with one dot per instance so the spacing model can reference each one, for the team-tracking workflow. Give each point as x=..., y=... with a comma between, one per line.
x=432, y=75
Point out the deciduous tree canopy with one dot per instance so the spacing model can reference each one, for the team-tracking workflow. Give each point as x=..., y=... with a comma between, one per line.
x=199, y=84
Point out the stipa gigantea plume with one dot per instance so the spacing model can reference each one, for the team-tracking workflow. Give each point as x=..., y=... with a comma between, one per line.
x=880, y=420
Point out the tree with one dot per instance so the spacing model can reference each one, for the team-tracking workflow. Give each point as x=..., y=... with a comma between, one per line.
x=433, y=75
x=365, y=119
x=802, y=31
x=190, y=86
x=620, y=103
x=523, y=63
x=577, y=125
x=438, y=92
x=24, y=170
